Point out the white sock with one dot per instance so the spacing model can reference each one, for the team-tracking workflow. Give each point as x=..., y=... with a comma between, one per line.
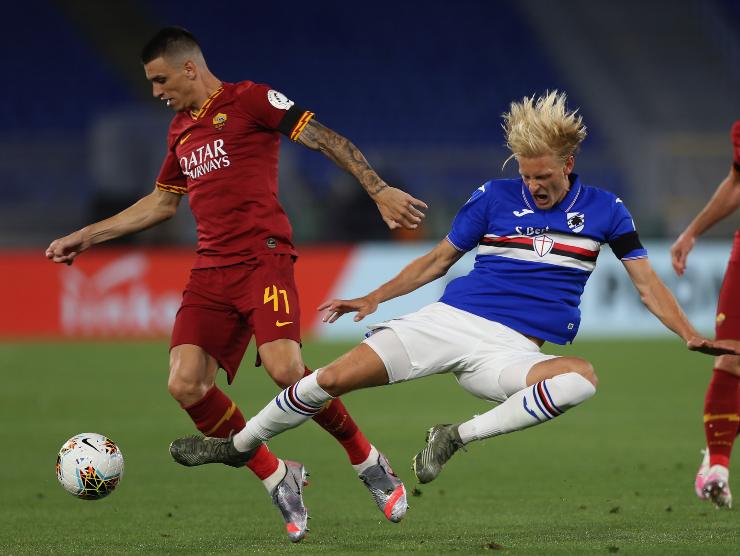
x=293, y=406
x=272, y=481
x=530, y=406
x=372, y=459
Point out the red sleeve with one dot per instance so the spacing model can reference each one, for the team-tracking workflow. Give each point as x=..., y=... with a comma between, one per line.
x=272, y=109
x=170, y=177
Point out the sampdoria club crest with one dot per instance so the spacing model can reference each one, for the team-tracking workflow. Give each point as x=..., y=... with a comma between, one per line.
x=576, y=221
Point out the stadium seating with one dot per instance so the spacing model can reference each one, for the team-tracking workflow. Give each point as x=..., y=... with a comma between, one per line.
x=419, y=86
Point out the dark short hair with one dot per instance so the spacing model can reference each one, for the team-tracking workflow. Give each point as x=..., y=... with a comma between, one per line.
x=169, y=41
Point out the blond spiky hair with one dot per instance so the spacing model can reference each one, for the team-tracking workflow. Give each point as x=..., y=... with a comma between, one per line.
x=543, y=126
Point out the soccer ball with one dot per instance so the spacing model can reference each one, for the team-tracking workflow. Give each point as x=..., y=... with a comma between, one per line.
x=89, y=466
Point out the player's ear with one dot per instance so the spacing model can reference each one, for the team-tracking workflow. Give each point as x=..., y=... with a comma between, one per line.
x=570, y=162
x=190, y=69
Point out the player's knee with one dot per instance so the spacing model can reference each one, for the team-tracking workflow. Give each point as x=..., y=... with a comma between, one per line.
x=586, y=370
x=184, y=389
x=287, y=373
x=186, y=392
x=331, y=381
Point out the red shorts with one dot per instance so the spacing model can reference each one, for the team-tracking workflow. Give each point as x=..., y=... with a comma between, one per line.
x=222, y=307
x=728, y=306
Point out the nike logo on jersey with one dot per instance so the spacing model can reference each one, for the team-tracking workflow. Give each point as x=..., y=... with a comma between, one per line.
x=521, y=213
x=619, y=200
x=280, y=323
x=185, y=138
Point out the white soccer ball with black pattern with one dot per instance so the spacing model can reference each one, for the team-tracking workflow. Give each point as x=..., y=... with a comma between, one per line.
x=89, y=466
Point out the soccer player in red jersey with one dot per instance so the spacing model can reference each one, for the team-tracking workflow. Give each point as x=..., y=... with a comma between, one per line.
x=722, y=401
x=223, y=147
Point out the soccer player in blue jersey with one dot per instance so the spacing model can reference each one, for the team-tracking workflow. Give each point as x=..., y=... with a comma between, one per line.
x=537, y=240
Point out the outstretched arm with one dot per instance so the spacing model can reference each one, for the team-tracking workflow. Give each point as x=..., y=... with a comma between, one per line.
x=725, y=201
x=148, y=211
x=397, y=207
x=660, y=301
x=421, y=271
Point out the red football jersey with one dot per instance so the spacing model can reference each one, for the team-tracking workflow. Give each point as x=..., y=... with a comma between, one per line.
x=225, y=158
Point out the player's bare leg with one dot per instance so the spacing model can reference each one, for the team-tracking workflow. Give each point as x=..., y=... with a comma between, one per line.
x=562, y=365
x=192, y=383
x=283, y=361
x=192, y=373
x=551, y=387
x=721, y=426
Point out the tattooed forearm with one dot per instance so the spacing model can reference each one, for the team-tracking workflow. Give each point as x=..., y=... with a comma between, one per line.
x=344, y=154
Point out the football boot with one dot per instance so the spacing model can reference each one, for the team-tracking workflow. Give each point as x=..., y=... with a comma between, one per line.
x=442, y=442
x=386, y=488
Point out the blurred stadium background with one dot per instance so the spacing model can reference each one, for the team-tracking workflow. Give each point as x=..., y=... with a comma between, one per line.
x=419, y=86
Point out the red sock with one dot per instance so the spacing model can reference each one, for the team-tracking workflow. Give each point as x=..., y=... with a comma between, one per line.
x=721, y=418
x=336, y=420
x=216, y=415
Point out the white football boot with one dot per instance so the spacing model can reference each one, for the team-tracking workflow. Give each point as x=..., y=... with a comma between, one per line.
x=701, y=475
x=717, y=486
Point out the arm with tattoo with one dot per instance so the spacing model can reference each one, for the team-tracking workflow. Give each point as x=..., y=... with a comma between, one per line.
x=397, y=207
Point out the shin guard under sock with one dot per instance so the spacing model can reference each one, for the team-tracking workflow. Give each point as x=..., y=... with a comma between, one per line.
x=530, y=406
x=336, y=420
x=215, y=414
x=721, y=416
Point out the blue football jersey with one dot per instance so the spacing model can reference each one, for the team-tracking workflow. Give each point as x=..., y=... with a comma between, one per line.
x=532, y=265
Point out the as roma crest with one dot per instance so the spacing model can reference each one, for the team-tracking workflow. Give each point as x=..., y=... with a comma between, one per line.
x=219, y=120
x=542, y=245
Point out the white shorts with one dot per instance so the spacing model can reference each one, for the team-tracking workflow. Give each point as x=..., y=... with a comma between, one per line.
x=489, y=360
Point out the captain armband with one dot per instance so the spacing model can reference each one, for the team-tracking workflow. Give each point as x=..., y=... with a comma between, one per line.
x=625, y=244
x=294, y=121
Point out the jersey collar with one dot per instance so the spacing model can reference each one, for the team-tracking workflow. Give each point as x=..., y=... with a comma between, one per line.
x=198, y=114
x=565, y=205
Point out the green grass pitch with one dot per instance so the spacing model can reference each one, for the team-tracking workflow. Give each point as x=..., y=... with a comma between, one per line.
x=612, y=476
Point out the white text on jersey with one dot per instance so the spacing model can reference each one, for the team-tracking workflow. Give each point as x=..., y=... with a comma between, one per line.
x=204, y=159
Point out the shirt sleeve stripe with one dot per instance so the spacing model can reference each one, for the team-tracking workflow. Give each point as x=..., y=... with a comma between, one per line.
x=455, y=246
x=172, y=188
x=302, y=122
